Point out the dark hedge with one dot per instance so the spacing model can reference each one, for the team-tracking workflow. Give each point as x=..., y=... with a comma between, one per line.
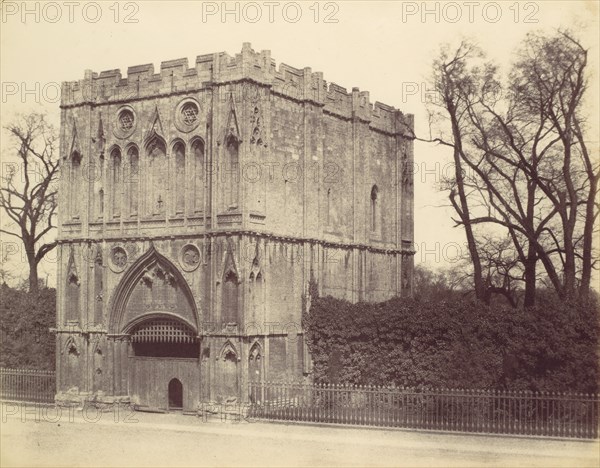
x=455, y=344
x=25, y=322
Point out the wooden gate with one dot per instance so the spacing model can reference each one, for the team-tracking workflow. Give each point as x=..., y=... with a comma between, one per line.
x=149, y=379
x=164, y=351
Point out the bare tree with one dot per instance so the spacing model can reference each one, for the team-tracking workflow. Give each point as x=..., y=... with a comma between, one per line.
x=503, y=272
x=452, y=78
x=550, y=83
x=522, y=162
x=28, y=191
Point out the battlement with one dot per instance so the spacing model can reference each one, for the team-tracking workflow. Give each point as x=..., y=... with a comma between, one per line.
x=217, y=70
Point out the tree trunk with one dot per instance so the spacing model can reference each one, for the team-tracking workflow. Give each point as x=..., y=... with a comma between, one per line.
x=33, y=278
x=588, y=236
x=31, y=260
x=569, y=268
x=569, y=218
x=530, y=262
x=530, y=276
x=464, y=212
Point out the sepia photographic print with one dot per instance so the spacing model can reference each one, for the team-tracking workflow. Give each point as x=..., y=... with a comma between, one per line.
x=299, y=233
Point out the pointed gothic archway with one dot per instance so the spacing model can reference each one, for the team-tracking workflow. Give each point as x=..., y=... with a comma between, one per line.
x=228, y=388
x=153, y=284
x=153, y=328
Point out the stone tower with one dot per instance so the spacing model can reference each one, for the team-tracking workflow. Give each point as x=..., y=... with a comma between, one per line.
x=196, y=205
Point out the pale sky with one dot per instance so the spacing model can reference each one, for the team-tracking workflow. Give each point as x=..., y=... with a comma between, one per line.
x=385, y=48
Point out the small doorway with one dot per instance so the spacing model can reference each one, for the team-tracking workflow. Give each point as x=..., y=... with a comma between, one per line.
x=175, y=395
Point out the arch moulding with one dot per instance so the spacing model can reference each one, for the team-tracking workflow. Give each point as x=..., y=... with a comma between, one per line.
x=134, y=277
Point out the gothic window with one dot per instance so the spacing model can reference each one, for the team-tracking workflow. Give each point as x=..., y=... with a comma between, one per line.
x=179, y=177
x=100, y=202
x=229, y=299
x=115, y=182
x=231, y=172
x=189, y=113
x=126, y=120
x=198, y=180
x=76, y=185
x=256, y=293
x=99, y=178
x=101, y=168
x=156, y=151
x=230, y=356
x=255, y=277
x=374, y=209
x=98, y=289
x=72, y=297
x=133, y=179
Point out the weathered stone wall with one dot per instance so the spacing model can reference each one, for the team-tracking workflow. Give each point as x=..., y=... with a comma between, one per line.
x=233, y=183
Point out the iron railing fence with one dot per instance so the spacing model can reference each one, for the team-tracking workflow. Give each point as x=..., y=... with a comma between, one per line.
x=36, y=386
x=570, y=415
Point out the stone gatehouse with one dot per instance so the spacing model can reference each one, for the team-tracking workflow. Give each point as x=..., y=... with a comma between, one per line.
x=198, y=202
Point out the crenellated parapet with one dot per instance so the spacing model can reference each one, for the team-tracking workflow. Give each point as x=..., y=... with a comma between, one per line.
x=217, y=71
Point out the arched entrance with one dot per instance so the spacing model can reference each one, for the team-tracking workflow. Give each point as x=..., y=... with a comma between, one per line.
x=154, y=322
x=164, y=367
x=175, y=394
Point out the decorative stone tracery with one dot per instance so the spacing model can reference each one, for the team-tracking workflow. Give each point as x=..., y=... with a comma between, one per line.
x=124, y=123
x=189, y=257
x=187, y=115
x=152, y=285
x=118, y=259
